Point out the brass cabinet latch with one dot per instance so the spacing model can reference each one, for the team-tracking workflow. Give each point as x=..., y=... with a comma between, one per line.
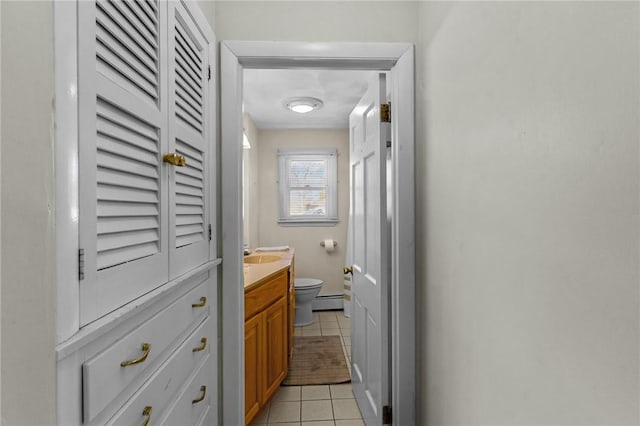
x=175, y=159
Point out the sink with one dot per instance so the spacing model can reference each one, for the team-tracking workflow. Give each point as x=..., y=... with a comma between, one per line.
x=261, y=258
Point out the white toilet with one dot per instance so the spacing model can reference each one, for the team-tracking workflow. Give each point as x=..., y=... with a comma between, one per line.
x=306, y=290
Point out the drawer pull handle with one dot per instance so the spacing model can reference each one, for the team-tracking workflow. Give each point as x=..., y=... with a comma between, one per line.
x=201, y=347
x=147, y=414
x=203, y=389
x=203, y=301
x=146, y=348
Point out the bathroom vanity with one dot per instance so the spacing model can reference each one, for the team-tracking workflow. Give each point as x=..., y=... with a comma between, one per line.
x=269, y=305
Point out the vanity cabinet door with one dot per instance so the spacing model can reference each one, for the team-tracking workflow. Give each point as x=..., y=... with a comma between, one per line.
x=253, y=366
x=275, y=329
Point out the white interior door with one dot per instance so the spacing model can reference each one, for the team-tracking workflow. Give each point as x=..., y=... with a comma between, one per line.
x=371, y=265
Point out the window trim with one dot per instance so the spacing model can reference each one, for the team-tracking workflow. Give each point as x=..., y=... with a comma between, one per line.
x=288, y=154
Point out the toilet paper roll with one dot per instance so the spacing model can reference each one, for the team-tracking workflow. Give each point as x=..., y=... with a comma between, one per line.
x=329, y=245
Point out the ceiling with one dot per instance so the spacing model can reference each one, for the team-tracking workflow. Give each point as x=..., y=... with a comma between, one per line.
x=267, y=90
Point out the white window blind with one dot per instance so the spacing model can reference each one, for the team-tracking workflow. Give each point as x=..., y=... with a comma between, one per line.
x=308, y=186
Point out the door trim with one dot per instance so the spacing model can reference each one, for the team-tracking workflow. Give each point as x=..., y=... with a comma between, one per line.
x=397, y=57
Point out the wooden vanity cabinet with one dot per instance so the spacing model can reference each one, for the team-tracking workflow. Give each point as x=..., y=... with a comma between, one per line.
x=266, y=341
x=275, y=345
x=252, y=368
x=292, y=308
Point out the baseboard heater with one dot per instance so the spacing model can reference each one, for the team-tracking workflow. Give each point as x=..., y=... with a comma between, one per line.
x=328, y=303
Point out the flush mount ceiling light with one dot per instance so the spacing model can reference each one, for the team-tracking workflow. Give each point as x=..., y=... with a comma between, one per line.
x=303, y=105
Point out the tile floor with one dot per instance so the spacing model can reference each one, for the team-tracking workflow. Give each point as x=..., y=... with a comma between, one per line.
x=326, y=405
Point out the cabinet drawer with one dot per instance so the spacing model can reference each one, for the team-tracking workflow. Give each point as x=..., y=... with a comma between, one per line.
x=103, y=376
x=256, y=299
x=159, y=391
x=189, y=408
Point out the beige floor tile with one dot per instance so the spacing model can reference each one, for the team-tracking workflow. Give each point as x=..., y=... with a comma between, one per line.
x=329, y=320
x=315, y=392
x=349, y=423
x=312, y=332
x=282, y=412
x=346, y=332
x=331, y=332
x=285, y=424
x=287, y=393
x=314, y=325
x=347, y=349
x=319, y=423
x=329, y=326
x=345, y=409
x=317, y=410
x=341, y=391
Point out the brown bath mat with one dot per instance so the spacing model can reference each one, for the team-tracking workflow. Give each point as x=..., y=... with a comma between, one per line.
x=317, y=360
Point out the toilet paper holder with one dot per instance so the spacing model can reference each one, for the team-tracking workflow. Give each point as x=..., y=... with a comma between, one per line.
x=335, y=244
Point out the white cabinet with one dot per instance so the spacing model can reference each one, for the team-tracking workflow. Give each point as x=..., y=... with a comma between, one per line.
x=145, y=345
x=144, y=92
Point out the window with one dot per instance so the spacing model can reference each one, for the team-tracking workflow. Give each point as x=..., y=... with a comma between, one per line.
x=308, y=186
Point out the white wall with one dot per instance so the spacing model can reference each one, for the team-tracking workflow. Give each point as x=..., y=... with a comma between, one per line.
x=252, y=178
x=208, y=8
x=311, y=259
x=527, y=162
x=28, y=292
x=528, y=205
x=316, y=20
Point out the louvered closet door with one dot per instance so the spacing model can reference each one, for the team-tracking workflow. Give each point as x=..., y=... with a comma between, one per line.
x=189, y=133
x=123, y=134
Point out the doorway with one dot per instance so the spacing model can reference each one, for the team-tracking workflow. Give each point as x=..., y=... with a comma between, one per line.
x=398, y=59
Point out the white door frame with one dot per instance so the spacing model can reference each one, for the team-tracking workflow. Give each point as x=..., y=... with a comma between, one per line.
x=234, y=57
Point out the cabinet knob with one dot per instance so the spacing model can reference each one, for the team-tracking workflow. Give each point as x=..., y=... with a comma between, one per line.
x=175, y=159
x=146, y=348
x=203, y=390
x=147, y=414
x=347, y=270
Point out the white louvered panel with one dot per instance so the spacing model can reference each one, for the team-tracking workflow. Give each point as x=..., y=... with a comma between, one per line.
x=189, y=190
x=123, y=109
x=189, y=136
x=106, y=209
x=127, y=43
x=128, y=185
x=189, y=79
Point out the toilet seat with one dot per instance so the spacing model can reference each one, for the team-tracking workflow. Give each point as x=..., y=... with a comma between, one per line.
x=307, y=282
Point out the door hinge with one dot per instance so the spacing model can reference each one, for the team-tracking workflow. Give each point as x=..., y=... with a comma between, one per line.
x=385, y=113
x=209, y=66
x=209, y=232
x=386, y=415
x=81, y=264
